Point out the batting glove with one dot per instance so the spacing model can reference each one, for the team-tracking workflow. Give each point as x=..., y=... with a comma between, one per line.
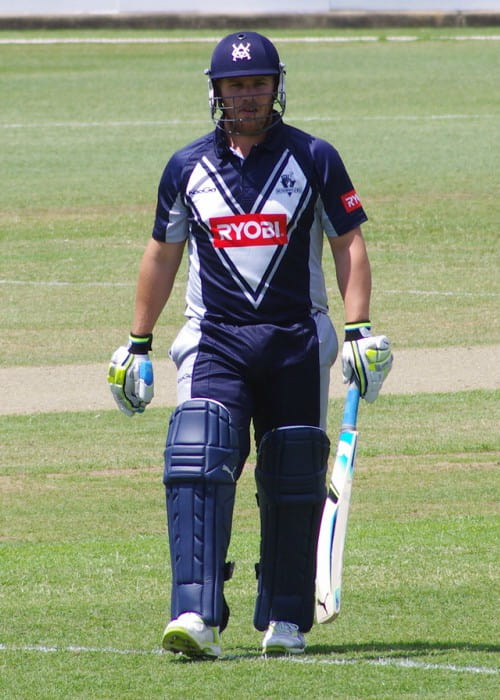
x=366, y=359
x=130, y=375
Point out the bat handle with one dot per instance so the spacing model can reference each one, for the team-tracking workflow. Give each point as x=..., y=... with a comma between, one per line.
x=351, y=407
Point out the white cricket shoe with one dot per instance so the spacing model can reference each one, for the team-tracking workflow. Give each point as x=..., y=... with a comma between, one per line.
x=283, y=638
x=189, y=635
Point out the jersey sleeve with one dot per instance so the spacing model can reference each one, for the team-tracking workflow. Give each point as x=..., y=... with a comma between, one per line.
x=341, y=206
x=171, y=219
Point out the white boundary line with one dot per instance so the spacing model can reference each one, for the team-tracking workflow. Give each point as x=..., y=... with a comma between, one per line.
x=437, y=293
x=398, y=663
x=46, y=41
x=413, y=292
x=57, y=283
x=381, y=661
x=176, y=122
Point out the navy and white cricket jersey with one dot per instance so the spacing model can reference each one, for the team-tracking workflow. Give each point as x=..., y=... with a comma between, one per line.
x=255, y=227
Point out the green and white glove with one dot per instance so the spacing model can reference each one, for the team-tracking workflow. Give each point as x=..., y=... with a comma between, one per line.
x=366, y=359
x=130, y=375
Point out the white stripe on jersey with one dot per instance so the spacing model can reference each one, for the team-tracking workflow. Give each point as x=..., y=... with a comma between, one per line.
x=285, y=192
x=264, y=194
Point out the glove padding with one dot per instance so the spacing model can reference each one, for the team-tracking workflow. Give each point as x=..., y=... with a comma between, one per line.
x=367, y=361
x=130, y=378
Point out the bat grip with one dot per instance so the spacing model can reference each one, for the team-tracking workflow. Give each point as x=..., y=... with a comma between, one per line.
x=351, y=407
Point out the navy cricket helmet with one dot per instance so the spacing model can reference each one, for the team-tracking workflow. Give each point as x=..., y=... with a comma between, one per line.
x=245, y=54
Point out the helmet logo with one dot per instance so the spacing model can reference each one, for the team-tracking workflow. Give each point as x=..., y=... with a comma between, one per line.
x=241, y=52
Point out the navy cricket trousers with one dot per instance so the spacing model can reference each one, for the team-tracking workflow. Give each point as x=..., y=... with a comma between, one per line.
x=269, y=375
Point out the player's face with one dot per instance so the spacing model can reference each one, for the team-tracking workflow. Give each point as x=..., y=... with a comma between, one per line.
x=248, y=102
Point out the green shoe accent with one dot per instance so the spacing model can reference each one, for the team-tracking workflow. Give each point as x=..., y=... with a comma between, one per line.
x=189, y=635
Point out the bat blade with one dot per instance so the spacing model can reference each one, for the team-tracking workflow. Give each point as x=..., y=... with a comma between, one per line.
x=332, y=533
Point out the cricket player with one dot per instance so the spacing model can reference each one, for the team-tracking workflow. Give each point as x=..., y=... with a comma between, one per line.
x=253, y=201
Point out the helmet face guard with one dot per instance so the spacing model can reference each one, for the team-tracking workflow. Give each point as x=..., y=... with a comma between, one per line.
x=240, y=55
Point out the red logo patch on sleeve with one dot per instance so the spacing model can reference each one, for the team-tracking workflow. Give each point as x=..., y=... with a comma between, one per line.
x=351, y=201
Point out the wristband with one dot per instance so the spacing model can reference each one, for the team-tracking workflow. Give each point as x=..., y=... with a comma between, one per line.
x=358, y=330
x=140, y=344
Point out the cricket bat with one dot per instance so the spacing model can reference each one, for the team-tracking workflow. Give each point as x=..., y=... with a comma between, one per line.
x=330, y=549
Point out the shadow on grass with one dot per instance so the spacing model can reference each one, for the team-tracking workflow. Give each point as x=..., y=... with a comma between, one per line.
x=397, y=650
x=235, y=654
x=368, y=651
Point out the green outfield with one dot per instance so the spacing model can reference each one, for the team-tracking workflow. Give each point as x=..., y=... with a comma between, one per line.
x=85, y=130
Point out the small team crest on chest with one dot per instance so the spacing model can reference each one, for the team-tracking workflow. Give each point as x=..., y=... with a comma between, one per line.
x=241, y=52
x=288, y=184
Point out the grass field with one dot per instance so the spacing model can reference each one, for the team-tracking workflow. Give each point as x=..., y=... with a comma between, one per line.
x=85, y=130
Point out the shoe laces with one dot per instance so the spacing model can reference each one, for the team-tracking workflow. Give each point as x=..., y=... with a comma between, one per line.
x=285, y=627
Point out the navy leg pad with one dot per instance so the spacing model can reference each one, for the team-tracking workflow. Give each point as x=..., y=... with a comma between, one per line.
x=291, y=489
x=201, y=463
